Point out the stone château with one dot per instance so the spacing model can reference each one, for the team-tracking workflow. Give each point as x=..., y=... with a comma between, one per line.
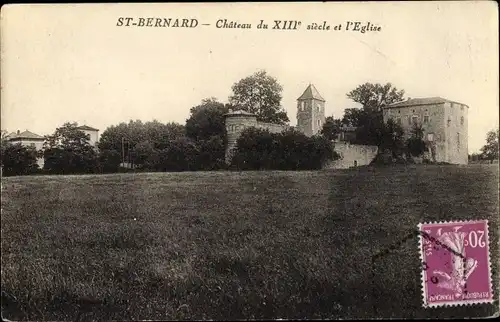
x=310, y=121
x=444, y=123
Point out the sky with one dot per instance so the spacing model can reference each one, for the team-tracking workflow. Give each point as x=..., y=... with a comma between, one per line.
x=72, y=63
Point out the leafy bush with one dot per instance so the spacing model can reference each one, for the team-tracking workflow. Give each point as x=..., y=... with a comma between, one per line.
x=68, y=151
x=18, y=160
x=180, y=155
x=415, y=144
x=289, y=150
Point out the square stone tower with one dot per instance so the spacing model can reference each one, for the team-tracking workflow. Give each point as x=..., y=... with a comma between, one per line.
x=310, y=111
x=445, y=125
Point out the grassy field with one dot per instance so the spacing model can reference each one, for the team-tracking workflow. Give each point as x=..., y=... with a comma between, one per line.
x=229, y=245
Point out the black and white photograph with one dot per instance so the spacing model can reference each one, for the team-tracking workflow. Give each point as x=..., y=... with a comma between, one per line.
x=249, y=161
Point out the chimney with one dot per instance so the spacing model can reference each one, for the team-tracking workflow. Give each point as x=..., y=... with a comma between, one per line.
x=18, y=131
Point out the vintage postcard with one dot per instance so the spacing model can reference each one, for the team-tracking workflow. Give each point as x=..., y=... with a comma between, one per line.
x=249, y=161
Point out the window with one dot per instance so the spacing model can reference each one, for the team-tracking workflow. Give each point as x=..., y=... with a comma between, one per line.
x=449, y=122
x=304, y=105
x=461, y=107
x=409, y=120
x=426, y=118
x=32, y=144
x=399, y=112
x=414, y=119
x=430, y=137
x=458, y=141
x=319, y=123
x=398, y=120
x=462, y=120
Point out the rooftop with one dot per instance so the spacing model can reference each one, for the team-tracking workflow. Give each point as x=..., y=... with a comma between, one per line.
x=87, y=128
x=421, y=101
x=24, y=135
x=311, y=93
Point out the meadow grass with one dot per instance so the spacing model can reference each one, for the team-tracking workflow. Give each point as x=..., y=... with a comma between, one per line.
x=232, y=245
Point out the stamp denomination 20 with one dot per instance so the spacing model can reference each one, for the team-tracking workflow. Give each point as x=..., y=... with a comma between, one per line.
x=455, y=263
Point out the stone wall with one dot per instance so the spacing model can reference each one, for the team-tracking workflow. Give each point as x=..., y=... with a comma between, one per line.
x=273, y=128
x=352, y=155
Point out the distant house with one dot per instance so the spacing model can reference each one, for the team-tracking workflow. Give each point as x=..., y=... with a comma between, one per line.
x=28, y=138
x=92, y=132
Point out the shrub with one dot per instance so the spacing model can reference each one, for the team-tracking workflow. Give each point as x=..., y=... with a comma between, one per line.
x=180, y=155
x=415, y=144
x=18, y=160
x=289, y=150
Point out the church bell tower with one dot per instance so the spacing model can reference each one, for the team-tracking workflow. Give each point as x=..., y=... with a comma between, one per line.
x=310, y=111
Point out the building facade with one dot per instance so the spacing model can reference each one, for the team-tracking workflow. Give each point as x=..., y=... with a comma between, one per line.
x=91, y=132
x=28, y=138
x=444, y=123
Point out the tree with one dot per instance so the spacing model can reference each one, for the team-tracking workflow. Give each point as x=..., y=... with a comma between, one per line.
x=211, y=153
x=368, y=120
x=179, y=156
x=331, y=128
x=254, y=150
x=353, y=116
x=109, y=160
x=490, y=150
x=138, y=142
x=392, y=139
x=370, y=128
x=3, y=141
x=259, y=149
x=68, y=151
x=144, y=153
x=375, y=96
x=207, y=120
x=160, y=135
x=416, y=144
x=206, y=127
x=260, y=94
x=17, y=159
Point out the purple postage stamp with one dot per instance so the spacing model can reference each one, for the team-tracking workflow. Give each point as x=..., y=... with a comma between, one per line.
x=456, y=266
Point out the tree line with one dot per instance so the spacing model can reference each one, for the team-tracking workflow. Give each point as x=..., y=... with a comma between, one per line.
x=199, y=144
